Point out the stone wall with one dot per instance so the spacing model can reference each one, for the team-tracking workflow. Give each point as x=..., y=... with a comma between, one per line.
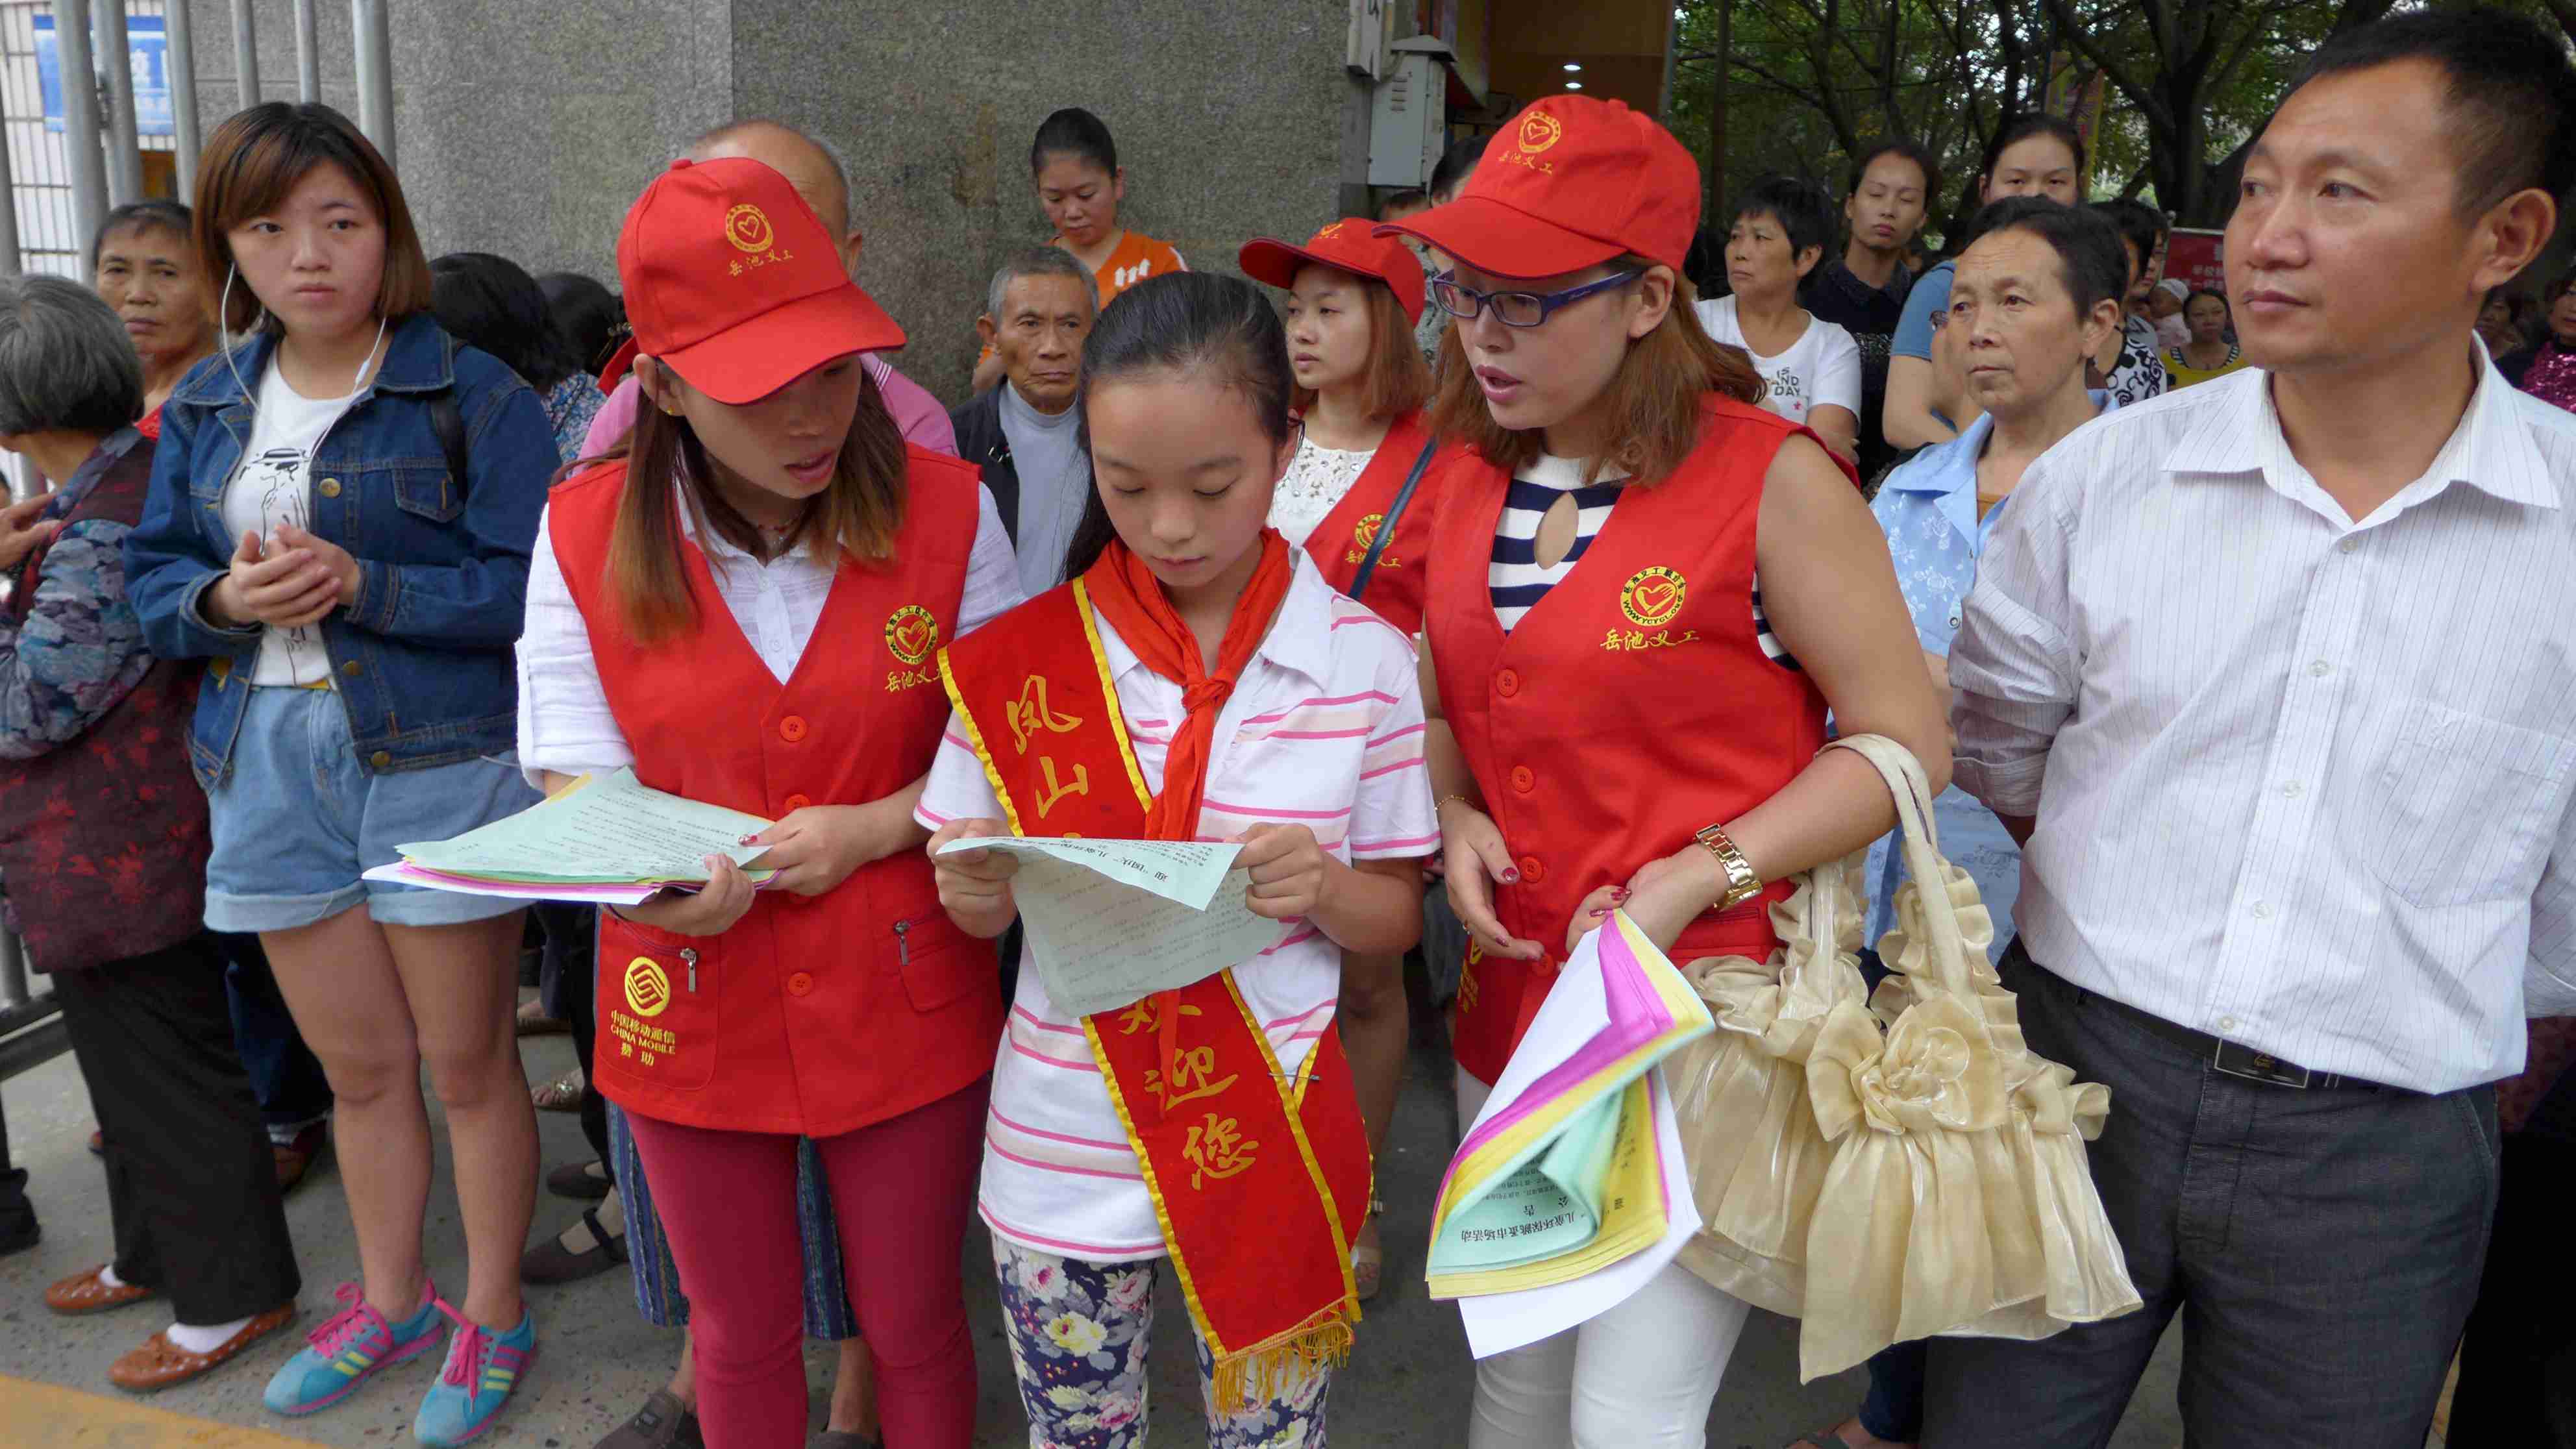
x=527, y=129
x=1228, y=116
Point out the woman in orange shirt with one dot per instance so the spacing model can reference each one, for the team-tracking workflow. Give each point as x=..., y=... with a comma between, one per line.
x=1074, y=166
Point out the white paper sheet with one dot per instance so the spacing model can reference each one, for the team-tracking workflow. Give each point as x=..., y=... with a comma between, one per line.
x=1499, y=1322
x=1111, y=922
x=610, y=827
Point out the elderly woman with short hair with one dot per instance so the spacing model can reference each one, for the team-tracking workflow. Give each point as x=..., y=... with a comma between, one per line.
x=103, y=850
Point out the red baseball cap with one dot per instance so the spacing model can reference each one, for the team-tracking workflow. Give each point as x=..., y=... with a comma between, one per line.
x=1348, y=244
x=732, y=282
x=1571, y=183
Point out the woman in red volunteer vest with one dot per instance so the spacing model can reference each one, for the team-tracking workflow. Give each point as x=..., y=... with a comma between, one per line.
x=1358, y=498
x=745, y=606
x=1197, y=680
x=1645, y=592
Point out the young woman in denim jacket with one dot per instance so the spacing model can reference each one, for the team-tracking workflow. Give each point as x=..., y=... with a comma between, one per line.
x=358, y=597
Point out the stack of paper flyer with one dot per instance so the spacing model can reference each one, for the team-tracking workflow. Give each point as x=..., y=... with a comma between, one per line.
x=1569, y=1192
x=603, y=840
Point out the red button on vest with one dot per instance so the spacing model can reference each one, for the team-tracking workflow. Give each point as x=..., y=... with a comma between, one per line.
x=800, y=984
x=1507, y=683
x=794, y=803
x=1531, y=870
x=1522, y=779
x=792, y=728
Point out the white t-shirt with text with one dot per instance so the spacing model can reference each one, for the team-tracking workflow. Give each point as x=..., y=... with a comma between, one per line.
x=1820, y=369
x=272, y=488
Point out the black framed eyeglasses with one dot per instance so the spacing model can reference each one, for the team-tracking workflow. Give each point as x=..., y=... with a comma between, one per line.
x=1517, y=309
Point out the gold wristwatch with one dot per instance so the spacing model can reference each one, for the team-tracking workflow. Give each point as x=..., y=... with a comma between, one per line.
x=1741, y=883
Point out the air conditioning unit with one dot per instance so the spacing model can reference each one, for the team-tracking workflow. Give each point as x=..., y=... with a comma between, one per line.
x=1409, y=113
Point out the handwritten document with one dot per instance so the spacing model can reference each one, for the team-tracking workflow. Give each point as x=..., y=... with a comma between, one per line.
x=608, y=829
x=1111, y=922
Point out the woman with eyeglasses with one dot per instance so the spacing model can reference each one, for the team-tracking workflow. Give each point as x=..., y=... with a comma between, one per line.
x=1620, y=714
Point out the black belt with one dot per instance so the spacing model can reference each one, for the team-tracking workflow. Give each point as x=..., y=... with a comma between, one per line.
x=2233, y=1058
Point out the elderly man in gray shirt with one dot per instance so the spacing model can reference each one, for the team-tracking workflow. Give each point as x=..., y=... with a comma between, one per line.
x=1023, y=431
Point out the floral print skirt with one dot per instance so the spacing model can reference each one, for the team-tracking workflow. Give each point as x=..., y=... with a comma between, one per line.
x=1078, y=1338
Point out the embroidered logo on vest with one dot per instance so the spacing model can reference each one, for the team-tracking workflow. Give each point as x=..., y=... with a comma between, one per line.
x=1652, y=597
x=1363, y=534
x=910, y=635
x=648, y=989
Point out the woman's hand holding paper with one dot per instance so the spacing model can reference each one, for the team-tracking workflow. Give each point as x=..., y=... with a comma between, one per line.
x=708, y=912
x=975, y=885
x=1670, y=893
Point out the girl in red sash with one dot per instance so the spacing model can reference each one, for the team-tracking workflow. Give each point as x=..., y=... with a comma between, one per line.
x=744, y=607
x=1197, y=680
x=1358, y=498
x=1622, y=711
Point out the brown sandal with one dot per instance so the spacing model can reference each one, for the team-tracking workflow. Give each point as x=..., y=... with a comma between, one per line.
x=83, y=1294
x=159, y=1363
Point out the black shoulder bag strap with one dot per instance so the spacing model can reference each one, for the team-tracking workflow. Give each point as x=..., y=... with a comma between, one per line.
x=449, y=423
x=1386, y=526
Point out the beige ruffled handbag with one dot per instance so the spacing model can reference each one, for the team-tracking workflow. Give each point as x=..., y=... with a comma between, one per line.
x=1896, y=1167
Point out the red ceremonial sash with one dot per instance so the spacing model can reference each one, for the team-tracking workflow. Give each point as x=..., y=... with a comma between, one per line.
x=1257, y=1179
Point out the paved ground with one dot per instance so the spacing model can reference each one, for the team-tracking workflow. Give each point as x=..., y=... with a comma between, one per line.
x=1407, y=1384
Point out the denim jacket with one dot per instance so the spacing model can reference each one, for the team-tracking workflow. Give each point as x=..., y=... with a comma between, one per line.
x=422, y=656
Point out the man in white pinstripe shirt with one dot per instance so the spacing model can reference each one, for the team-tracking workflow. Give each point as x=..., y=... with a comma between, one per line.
x=2278, y=675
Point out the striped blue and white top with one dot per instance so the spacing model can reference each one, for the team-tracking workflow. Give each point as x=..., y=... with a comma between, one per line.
x=1515, y=578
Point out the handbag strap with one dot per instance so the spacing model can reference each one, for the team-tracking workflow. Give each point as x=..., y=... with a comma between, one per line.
x=1912, y=792
x=1386, y=526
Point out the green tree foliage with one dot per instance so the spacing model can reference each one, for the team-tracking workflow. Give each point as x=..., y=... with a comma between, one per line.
x=2183, y=85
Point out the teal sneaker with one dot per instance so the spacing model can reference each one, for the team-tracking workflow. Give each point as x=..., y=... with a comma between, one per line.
x=348, y=1349
x=482, y=1369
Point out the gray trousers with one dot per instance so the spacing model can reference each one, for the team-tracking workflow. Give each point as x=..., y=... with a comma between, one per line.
x=2323, y=1247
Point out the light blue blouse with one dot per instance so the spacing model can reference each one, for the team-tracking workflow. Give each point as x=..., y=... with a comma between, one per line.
x=1928, y=509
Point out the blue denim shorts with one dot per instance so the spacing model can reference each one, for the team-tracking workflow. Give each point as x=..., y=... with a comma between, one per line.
x=298, y=819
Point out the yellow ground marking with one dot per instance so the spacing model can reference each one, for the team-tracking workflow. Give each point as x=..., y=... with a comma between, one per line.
x=45, y=1416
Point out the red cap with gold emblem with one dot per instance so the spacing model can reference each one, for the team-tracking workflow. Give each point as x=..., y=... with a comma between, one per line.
x=1571, y=183
x=732, y=282
x=1349, y=244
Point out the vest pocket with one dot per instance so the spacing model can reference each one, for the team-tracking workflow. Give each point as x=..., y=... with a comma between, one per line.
x=934, y=971
x=657, y=1006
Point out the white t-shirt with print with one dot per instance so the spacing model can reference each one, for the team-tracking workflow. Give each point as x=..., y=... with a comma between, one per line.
x=1324, y=730
x=1820, y=369
x=272, y=488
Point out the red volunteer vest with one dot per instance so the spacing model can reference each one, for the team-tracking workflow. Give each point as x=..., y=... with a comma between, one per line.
x=1341, y=542
x=812, y=1015
x=1633, y=706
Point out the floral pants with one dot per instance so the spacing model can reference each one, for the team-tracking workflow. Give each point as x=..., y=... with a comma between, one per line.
x=1078, y=1338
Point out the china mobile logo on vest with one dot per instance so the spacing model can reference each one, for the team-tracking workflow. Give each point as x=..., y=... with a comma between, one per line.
x=648, y=994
